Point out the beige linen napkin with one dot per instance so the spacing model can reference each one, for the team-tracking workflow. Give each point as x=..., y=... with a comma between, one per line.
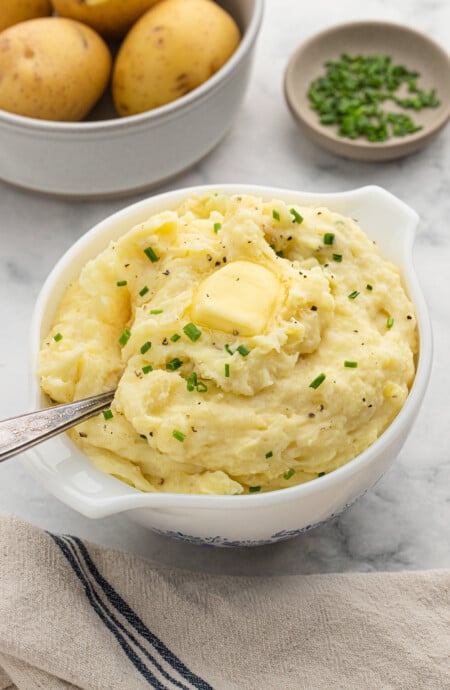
x=76, y=615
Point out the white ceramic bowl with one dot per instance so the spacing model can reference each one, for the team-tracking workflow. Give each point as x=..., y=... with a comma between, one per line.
x=124, y=155
x=232, y=520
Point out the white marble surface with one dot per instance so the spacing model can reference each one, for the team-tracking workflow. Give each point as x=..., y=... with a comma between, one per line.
x=404, y=523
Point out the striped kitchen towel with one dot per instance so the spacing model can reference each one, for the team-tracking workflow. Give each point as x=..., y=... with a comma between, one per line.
x=76, y=615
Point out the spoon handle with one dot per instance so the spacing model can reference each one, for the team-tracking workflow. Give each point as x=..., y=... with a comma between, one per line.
x=20, y=433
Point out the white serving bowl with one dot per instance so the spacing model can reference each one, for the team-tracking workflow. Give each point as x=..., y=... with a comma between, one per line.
x=232, y=520
x=114, y=156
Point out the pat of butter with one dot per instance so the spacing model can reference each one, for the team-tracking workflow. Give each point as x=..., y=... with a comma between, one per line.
x=240, y=296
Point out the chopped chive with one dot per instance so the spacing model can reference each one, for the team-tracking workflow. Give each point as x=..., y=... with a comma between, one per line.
x=317, y=381
x=174, y=364
x=178, y=435
x=150, y=253
x=275, y=215
x=57, y=337
x=227, y=371
x=269, y=454
x=350, y=365
x=175, y=337
x=201, y=387
x=147, y=368
x=353, y=295
x=121, y=283
x=191, y=382
x=390, y=322
x=192, y=332
x=124, y=338
x=143, y=436
x=337, y=257
x=244, y=351
x=328, y=238
x=108, y=414
x=297, y=217
x=287, y=475
x=146, y=347
x=217, y=227
x=369, y=286
x=321, y=474
x=254, y=489
x=143, y=291
x=229, y=350
x=156, y=311
x=280, y=254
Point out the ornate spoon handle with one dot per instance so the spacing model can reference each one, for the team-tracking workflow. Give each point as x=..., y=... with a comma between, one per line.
x=20, y=433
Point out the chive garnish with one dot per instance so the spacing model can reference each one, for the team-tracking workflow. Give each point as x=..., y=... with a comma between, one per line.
x=244, y=351
x=192, y=332
x=191, y=382
x=174, y=364
x=254, y=489
x=287, y=475
x=352, y=92
x=217, y=227
x=175, y=337
x=124, y=338
x=150, y=253
x=269, y=454
x=108, y=414
x=143, y=436
x=280, y=254
x=337, y=257
x=227, y=371
x=353, y=295
x=146, y=347
x=228, y=349
x=156, y=311
x=369, y=286
x=121, y=283
x=201, y=387
x=147, y=368
x=321, y=474
x=350, y=365
x=317, y=381
x=57, y=337
x=275, y=215
x=143, y=291
x=297, y=217
x=328, y=238
x=178, y=435
x=390, y=322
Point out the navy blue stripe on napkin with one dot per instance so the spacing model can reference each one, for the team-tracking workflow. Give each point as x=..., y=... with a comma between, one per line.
x=130, y=653
x=139, y=626
x=107, y=610
x=80, y=561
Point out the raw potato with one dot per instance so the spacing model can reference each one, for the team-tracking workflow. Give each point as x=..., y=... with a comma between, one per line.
x=15, y=11
x=52, y=69
x=111, y=18
x=172, y=49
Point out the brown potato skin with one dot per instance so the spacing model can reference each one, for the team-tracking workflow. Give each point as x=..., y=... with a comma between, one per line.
x=52, y=69
x=15, y=11
x=111, y=18
x=172, y=49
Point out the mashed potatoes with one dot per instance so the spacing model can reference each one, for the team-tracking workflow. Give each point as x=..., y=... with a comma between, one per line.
x=255, y=345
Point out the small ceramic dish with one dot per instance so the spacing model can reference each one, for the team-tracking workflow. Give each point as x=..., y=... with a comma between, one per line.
x=231, y=520
x=405, y=46
x=115, y=156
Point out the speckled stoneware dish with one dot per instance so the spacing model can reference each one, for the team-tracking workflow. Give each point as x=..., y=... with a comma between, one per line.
x=108, y=155
x=250, y=519
x=406, y=46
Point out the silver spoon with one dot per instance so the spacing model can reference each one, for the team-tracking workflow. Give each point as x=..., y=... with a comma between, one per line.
x=27, y=430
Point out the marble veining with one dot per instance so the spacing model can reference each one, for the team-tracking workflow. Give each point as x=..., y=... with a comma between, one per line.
x=404, y=521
